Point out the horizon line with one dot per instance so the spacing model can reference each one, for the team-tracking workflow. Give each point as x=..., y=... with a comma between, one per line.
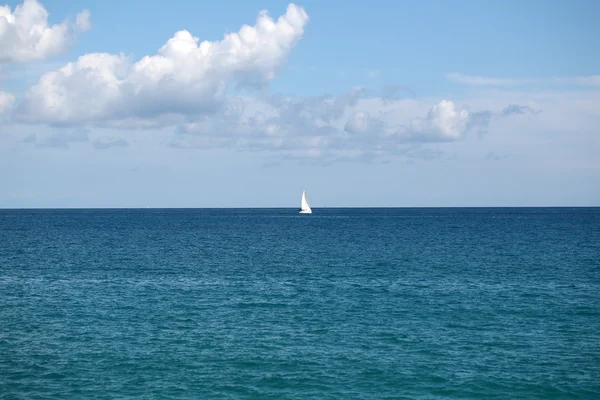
x=288, y=207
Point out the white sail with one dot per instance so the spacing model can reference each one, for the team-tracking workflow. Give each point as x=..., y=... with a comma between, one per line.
x=305, y=208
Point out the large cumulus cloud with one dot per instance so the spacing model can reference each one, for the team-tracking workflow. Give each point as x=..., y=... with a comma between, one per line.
x=26, y=36
x=186, y=76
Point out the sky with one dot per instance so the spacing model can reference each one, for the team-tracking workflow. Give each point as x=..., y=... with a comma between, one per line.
x=246, y=104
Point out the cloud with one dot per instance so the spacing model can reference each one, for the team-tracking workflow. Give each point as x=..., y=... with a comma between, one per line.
x=519, y=109
x=445, y=122
x=473, y=80
x=484, y=81
x=186, y=77
x=6, y=102
x=361, y=123
x=106, y=142
x=83, y=21
x=329, y=129
x=271, y=123
x=26, y=36
x=64, y=139
x=276, y=122
x=479, y=122
x=31, y=138
x=593, y=80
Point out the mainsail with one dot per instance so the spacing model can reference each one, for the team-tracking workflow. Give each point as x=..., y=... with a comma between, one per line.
x=305, y=208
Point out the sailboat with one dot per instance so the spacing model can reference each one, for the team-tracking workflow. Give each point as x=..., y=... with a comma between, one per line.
x=305, y=208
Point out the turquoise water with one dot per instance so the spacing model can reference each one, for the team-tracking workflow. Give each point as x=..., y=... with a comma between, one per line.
x=267, y=304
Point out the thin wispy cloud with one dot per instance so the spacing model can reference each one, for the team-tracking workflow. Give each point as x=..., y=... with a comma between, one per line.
x=593, y=80
x=6, y=102
x=484, y=81
x=65, y=138
x=474, y=80
x=519, y=109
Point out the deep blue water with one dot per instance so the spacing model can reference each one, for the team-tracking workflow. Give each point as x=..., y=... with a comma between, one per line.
x=269, y=304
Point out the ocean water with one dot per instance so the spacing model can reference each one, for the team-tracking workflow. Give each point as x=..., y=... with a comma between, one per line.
x=269, y=304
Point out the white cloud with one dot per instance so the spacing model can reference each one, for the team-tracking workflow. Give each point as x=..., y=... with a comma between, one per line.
x=355, y=128
x=83, y=21
x=26, y=36
x=444, y=122
x=592, y=80
x=6, y=102
x=345, y=128
x=484, y=81
x=361, y=123
x=186, y=77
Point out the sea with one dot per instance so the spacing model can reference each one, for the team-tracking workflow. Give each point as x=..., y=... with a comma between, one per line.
x=383, y=303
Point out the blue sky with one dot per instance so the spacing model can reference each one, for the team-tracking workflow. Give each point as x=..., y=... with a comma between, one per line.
x=429, y=103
